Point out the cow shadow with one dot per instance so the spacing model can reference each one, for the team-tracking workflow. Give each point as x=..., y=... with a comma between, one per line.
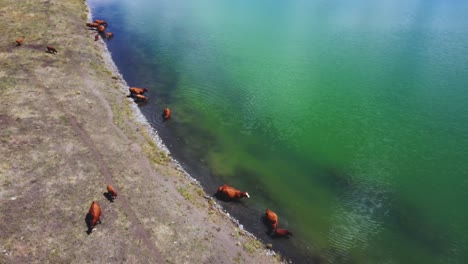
x=275, y=236
x=108, y=197
x=140, y=103
x=88, y=220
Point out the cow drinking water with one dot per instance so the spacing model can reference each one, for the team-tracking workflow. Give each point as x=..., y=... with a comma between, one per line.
x=227, y=192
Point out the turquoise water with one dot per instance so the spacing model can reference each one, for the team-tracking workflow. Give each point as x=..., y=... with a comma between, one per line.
x=347, y=118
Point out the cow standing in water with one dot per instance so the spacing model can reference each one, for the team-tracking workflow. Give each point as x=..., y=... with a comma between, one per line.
x=136, y=90
x=280, y=232
x=101, y=29
x=227, y=192
x=166, y=114
x=139, y=98
x=100, y=22
x=271, y=219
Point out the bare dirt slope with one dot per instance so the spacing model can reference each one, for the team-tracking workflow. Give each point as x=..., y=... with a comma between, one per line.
x=67, y=130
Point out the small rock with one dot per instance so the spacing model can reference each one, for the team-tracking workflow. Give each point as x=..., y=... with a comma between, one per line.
x=13, y=198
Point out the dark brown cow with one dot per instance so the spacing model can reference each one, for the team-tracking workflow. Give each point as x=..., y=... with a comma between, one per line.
x=271, y=219
x=94, y=216
x=51, y=49
x=112, y=193
x=166, y=113
x=230, y=193
x=135, y=90
x=96, y=38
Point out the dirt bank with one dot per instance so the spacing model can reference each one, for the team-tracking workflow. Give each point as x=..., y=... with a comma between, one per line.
x=67, y=130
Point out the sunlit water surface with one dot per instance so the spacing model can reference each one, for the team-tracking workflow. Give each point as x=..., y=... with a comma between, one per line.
x=347, y=118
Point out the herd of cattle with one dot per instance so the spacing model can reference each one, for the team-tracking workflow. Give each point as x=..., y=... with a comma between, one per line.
x=136, y=93
x=100, y=26
x=94, y=214
x=224, y=192
x=228, y=193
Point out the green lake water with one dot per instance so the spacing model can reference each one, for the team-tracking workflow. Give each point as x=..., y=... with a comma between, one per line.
x=347, y=118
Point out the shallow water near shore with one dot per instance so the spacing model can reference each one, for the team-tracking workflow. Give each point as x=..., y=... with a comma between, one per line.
x=347, y=119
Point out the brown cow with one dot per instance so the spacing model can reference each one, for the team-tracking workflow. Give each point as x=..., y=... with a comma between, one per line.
x=94, y=216
x=109, y=35
x=51, y=49
x=100, y=22
x=271, y=219
x=96, y=38
x=112, y=193
x=135, y=90
x=101, y=29
x=279, y=232
x=92, y=25
x=230, y=193
x=140, y=98
x=19, y=42
x=166, y=113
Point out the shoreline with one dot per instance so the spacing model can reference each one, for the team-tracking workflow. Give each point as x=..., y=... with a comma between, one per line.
x=290, y=253
x=69, y=130
x=153, y=133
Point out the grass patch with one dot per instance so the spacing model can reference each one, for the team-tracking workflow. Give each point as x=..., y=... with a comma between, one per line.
x=155, y=154
x=237, y=259
x=185, y=193
x=118, y=117
x=252, y=246
x=200, y=191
